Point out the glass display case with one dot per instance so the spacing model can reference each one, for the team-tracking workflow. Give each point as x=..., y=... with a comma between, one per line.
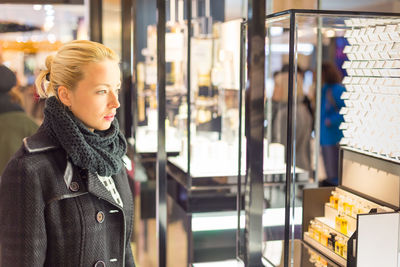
x=207, y=125
x=202, y=111
x=364, y=46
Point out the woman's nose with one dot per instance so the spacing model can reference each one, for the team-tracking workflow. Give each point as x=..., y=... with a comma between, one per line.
x=114, y=102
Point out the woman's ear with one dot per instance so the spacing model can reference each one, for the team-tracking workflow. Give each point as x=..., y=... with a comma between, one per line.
x=64, y=95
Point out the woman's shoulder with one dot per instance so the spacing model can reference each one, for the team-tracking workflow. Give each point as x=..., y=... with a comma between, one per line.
x=338, y=87
x=37, y=151
x=41, y=141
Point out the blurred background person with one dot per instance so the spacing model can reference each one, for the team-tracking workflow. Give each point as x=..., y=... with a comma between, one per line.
x=303, y=117
x=331, y=103
x=15, y=123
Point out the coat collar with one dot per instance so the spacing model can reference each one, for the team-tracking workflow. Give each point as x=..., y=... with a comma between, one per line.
x=94, y=186
x=40, y=142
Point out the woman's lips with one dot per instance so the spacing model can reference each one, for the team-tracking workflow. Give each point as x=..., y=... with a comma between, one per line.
x=109, y=117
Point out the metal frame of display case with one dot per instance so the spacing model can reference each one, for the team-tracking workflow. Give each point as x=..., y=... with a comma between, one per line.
x=254, y=131
x=161, y=178
x=128, y=61
x=291, y=16
x=95, y=9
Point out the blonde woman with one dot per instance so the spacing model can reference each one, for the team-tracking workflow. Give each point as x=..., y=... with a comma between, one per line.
x=64, y=196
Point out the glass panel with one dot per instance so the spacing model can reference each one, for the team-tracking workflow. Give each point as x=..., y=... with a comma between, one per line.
x=146, y=134
x=176, y=51
x=146, y=68
x=176, y=91
x=112, y=24
x=209, y=78
x=215, y=95
x=214, y=92
x=275, y=131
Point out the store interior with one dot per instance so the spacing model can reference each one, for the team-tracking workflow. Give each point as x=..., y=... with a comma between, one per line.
x=238, y=166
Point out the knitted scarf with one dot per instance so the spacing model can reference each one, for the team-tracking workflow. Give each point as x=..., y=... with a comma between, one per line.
x=99, y=151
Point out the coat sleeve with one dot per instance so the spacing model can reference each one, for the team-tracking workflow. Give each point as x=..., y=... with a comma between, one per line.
x=22, y=225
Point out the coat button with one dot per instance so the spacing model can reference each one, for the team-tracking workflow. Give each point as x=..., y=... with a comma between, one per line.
x=100, y=264
x=100, y=217
x=74, y=187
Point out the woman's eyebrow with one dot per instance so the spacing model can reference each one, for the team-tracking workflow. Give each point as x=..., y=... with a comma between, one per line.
x=106, y=84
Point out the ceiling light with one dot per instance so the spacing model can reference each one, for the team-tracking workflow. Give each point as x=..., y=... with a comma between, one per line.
x=37, y=7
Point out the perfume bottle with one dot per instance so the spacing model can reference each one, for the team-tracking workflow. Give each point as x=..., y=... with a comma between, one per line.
x=340, y=203
x=345, y=249
x=338, y=221
x=334, y=200
x=311, y=228
x=359, y=207
x=318, y=232
x=343, y=226
x=349, y=206
x=341, y=223
x=324, y=237
x=339, y=246
x=331, y=241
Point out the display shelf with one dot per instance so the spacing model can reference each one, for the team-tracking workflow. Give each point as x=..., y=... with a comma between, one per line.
x=306, y=255
x=331, y=213
x=219, y=173
x=331, y=224
x=222, y=168
x=227, y=263
x=372, y=154
x=326, y=251
x=147, y=141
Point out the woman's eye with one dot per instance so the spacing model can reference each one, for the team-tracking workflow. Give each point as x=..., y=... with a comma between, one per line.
x=101, y=92
x=118, y=90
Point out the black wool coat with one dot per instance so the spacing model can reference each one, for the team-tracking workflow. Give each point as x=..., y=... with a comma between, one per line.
x=54, y=214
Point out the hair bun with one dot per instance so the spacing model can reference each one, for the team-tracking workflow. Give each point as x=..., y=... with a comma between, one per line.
x=49, y=61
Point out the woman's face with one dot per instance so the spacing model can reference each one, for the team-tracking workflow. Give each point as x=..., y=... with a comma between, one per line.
x=95, y=98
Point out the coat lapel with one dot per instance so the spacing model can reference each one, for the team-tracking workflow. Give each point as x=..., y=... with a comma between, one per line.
x=96, y=188
x=122, y=185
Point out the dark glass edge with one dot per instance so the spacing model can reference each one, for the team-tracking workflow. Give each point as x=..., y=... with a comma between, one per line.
x=329, y=12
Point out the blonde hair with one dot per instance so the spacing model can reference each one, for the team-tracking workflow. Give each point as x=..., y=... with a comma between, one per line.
x=65, y=68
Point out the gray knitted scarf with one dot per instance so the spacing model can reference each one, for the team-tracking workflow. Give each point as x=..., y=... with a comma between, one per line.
x=99, y=151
